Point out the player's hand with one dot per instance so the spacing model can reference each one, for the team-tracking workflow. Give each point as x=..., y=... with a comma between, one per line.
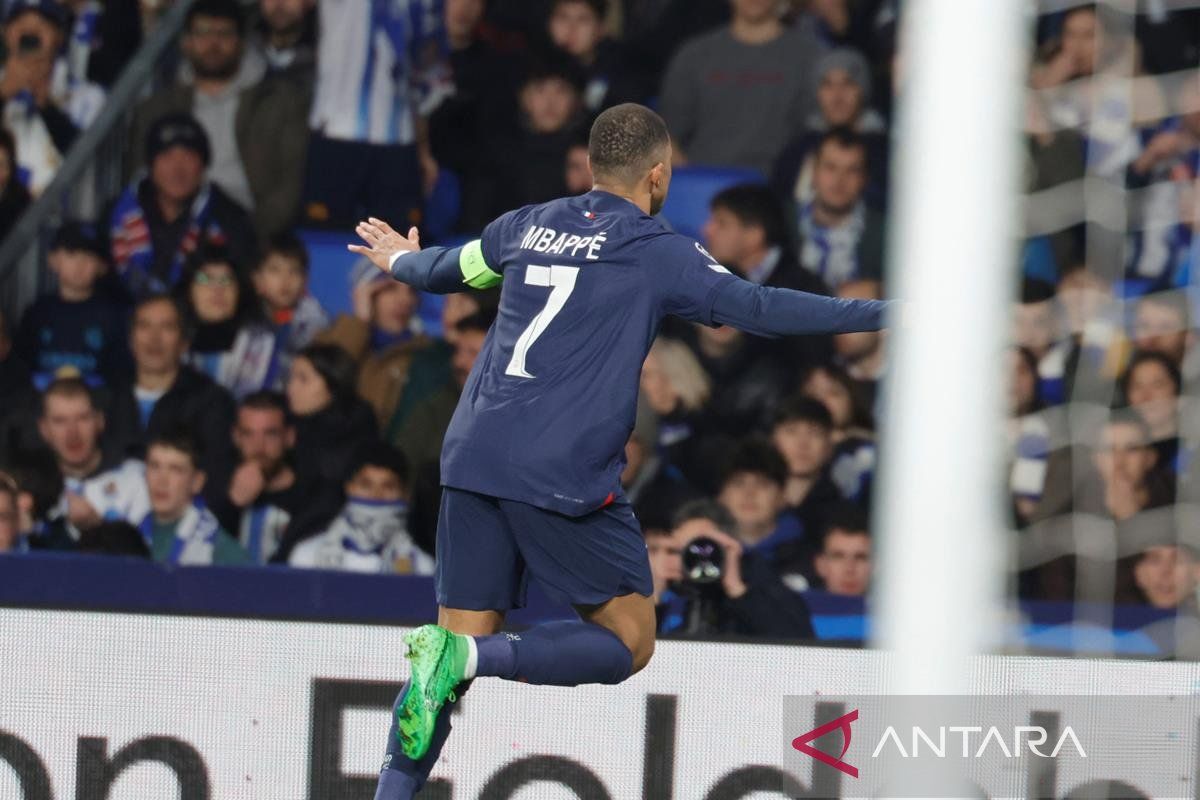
x=383, y=242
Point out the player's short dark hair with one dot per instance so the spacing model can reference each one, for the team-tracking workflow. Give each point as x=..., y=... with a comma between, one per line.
x=222, y=9
x=845, y=138
x=267, y=400
x=804, y=409
x=754, y=204
x=599, y=7
x=626, y=141
x=382, y=455
x=758, y=457
x=288, y=245
x=181, y=440
x=707, y=509
x=481, y=321
x=68, y=386
x=846, y=518
x=1151, y=357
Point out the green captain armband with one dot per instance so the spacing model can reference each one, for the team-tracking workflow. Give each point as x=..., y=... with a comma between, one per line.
x=476, y=273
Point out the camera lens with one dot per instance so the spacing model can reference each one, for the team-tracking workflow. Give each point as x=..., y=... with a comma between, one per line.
x=703, y=561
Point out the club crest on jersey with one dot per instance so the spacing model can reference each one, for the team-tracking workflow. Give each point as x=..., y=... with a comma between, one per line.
x=589, y=214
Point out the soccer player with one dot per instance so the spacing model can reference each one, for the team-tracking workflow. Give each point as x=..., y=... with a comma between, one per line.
x=532, y=459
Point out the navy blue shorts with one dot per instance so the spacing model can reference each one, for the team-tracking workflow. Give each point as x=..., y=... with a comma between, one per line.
x=488, y=548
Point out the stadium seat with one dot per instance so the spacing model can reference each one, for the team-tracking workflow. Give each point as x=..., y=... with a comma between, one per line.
x=693, y=188
x=331, y=262
x=442, y=208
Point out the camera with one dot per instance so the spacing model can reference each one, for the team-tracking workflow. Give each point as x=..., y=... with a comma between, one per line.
x=703, y=561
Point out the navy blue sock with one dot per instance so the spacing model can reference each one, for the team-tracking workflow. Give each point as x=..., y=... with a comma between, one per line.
x=555, y=654
x=401, y=777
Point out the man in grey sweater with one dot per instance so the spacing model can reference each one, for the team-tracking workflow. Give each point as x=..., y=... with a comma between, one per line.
x=735, y=96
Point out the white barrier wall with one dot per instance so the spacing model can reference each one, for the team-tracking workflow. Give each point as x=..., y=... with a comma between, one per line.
x=131, y=707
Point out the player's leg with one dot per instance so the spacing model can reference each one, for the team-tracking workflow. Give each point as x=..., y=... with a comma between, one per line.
x=478, y=567
x=598, y=563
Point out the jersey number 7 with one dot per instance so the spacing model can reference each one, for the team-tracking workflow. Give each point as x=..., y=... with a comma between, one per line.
x=561, y=281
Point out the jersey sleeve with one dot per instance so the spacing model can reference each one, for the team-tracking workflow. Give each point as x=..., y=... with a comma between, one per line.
x=686, y=278
x=443, y=270
x=694, y=286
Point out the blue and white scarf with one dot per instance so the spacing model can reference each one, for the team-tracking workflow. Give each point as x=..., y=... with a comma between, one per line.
x=195, y=536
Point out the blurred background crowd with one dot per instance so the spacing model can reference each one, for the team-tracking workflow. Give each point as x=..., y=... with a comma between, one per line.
x=190, y=374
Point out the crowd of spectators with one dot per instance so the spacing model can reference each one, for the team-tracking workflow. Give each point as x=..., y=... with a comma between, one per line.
x=181, y=395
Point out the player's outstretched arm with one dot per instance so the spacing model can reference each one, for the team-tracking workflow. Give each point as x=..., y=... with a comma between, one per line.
x=441, y=270
x=767, y=311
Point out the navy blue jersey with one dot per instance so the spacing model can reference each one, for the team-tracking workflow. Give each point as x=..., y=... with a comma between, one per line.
x=587, y=280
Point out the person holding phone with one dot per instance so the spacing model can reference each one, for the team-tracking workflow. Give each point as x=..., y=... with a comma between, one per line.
x=33, y=35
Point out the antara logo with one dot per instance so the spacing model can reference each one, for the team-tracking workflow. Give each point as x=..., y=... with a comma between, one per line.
x=1033, y=736
x=938, y=748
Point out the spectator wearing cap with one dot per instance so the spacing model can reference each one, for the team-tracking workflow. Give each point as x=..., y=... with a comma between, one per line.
x=164, y=394
x=382, y=334
x=161, y=218
x=78, y=326
x=843, y=92
x=230, y=340
x=255, y=127
x=370, y=533
x=734, y=96
x=42, y=129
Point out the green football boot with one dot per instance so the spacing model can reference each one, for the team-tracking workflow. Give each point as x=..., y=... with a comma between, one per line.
x=439, y=662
